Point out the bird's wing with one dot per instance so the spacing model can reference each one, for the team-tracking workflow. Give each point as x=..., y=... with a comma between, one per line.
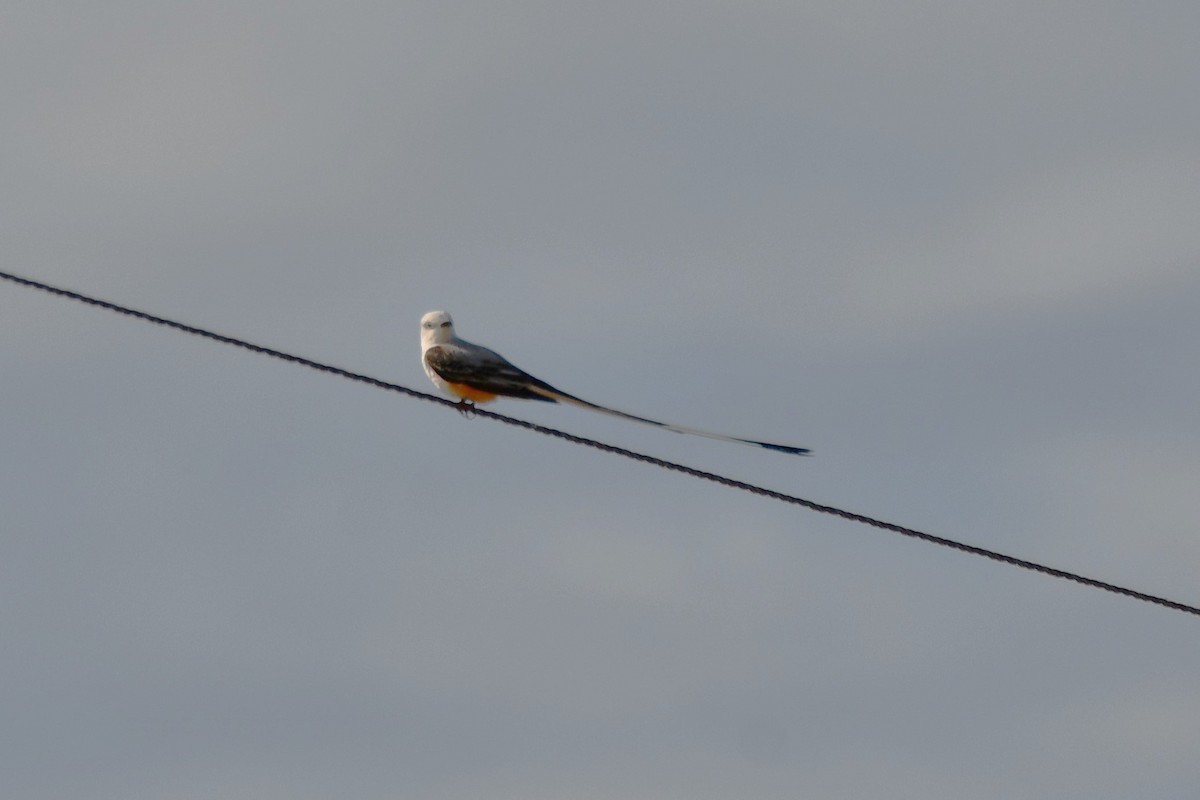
x=487, y=371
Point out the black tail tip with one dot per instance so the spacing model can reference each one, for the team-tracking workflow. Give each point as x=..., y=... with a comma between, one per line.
x=783, y=448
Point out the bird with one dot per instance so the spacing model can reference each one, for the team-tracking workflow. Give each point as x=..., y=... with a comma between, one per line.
x=475, y=374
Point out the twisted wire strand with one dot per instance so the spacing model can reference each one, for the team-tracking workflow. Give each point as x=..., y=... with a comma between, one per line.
x=608, y=448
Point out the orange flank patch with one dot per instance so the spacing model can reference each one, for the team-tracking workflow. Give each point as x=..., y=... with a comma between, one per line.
x=469, y=393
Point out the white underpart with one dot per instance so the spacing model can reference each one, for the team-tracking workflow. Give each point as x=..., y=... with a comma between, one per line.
x=433, y=332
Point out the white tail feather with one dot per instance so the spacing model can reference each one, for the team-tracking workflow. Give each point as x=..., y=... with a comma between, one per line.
x=563, y=397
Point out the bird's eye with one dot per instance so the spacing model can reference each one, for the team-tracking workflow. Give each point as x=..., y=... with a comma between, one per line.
x=446, y=324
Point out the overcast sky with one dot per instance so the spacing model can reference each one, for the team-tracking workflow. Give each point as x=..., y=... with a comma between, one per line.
x=953, y=247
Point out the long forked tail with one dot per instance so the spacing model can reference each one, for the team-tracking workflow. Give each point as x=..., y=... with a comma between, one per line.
x=558, y=396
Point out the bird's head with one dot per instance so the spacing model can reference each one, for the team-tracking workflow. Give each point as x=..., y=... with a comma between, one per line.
x=436, y=328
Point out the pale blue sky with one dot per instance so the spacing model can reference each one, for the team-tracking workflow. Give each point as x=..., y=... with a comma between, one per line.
x=950, y=246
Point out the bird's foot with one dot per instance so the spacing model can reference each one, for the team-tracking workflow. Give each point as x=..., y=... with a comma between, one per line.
x=466, y=408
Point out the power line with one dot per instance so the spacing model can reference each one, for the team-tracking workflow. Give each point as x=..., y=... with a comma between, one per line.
x=608, y=448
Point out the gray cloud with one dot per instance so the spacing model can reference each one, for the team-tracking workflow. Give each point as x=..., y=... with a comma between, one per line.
x=951, y=247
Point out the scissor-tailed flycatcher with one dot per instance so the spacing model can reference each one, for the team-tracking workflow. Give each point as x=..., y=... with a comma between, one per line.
x=475, y=374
